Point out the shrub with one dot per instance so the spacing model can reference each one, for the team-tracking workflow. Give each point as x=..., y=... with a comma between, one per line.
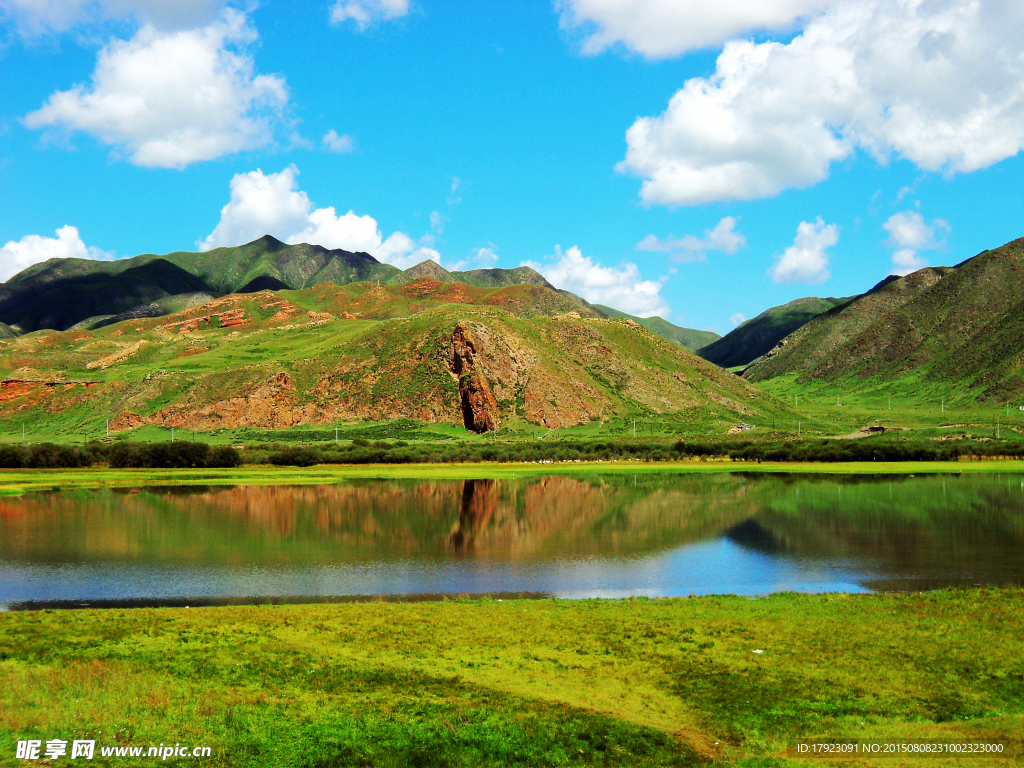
x=13, y=457
x=295, y=457
x=224, y=456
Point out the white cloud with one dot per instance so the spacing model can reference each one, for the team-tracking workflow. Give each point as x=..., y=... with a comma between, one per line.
x=367, y=12
x=437, y=222
x=619, y=287
x=403, y=252
x=480, y=258
x=738, y=319
x=17, y=255
x=909, y=233
x=298, y=141
x=335, y=143
x=806, y=260
x=661, y=28
x=171, y=99
x=723, y=238
x=454, y=198
x=908, y=229
x=939, y=83
x=906, y=260
x=37, y=17
x=272, y=204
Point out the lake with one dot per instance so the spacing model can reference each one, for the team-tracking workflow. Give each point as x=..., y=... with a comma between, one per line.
x=566, y=536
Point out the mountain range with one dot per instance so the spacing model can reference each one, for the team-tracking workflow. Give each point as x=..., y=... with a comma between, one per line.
x=755, y=337
x=62, y=293
x=482, y=357
x=960, y=329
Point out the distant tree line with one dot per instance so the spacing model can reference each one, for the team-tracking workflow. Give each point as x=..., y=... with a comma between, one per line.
x=189, y=455
x=852, y=450
x=177, y=455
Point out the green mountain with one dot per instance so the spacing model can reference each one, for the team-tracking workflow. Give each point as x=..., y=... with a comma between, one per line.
x=753, y=338
x=61, y=293
x=958, y=328
x=687, y=338
x=520, y=357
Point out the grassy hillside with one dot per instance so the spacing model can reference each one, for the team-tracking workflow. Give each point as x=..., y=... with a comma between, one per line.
x=519, y=357
x=755, y=337
x=687, y=338
x=958, y=331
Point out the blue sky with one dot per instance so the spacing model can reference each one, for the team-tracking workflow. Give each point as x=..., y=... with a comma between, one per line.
x=660, y=156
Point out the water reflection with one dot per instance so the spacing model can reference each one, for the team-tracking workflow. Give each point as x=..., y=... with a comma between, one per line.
x=573, y=536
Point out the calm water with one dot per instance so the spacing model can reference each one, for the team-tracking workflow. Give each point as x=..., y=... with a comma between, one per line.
x=565, y=536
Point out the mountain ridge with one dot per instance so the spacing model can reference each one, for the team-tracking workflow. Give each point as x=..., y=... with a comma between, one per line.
x=515, y=356
x=958, y=328
x=755, y=337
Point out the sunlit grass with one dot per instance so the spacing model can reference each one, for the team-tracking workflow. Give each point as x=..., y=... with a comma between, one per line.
x=483, y=682
x=17, y=481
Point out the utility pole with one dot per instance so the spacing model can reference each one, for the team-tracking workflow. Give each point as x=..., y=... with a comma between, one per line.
x=108, y=427
x=890, y=402
x=943, y=405
x=997, y=430
x=634, y=429
x=172, y=434
x=335, y=435
x=798, y=429
x=838, y=404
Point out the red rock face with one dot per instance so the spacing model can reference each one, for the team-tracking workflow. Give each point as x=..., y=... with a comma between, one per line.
x=479, y=409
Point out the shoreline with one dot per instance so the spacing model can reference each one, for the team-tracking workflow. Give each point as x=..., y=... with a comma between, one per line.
x=14, y=482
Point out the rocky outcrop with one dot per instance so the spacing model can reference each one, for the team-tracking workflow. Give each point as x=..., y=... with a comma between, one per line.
x=479, y=409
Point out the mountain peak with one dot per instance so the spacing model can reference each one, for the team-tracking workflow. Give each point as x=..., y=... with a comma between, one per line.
x=429, y=268
x=269, y=243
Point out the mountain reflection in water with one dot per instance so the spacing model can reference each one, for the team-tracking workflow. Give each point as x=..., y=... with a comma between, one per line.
x=599, y=534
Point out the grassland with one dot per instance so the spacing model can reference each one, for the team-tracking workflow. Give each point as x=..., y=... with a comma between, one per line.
x=14, y=482
x=522, y=683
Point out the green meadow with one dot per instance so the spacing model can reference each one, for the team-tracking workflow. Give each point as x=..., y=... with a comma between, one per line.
x=17, y=481
x=523, y=683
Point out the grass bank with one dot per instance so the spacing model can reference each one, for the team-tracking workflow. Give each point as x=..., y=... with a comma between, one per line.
x=521, y=683
x=14, y=482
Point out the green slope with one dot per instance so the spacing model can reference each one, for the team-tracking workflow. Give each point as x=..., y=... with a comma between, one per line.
x=522, y=356
x=959, y=329
x=755, y=337
x=687, y=338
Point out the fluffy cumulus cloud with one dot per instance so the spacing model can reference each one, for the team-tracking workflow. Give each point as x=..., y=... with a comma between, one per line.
x=367, y=12
x=661, y=28
x=723, y=238
x=619, y=287
x=939, y=83
x=738, y=319
x=169, y=99
x=334, y=143
x=272, y=204
x=909, y=233
x=17, y=255
x=37, y=17
x=806, y=260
